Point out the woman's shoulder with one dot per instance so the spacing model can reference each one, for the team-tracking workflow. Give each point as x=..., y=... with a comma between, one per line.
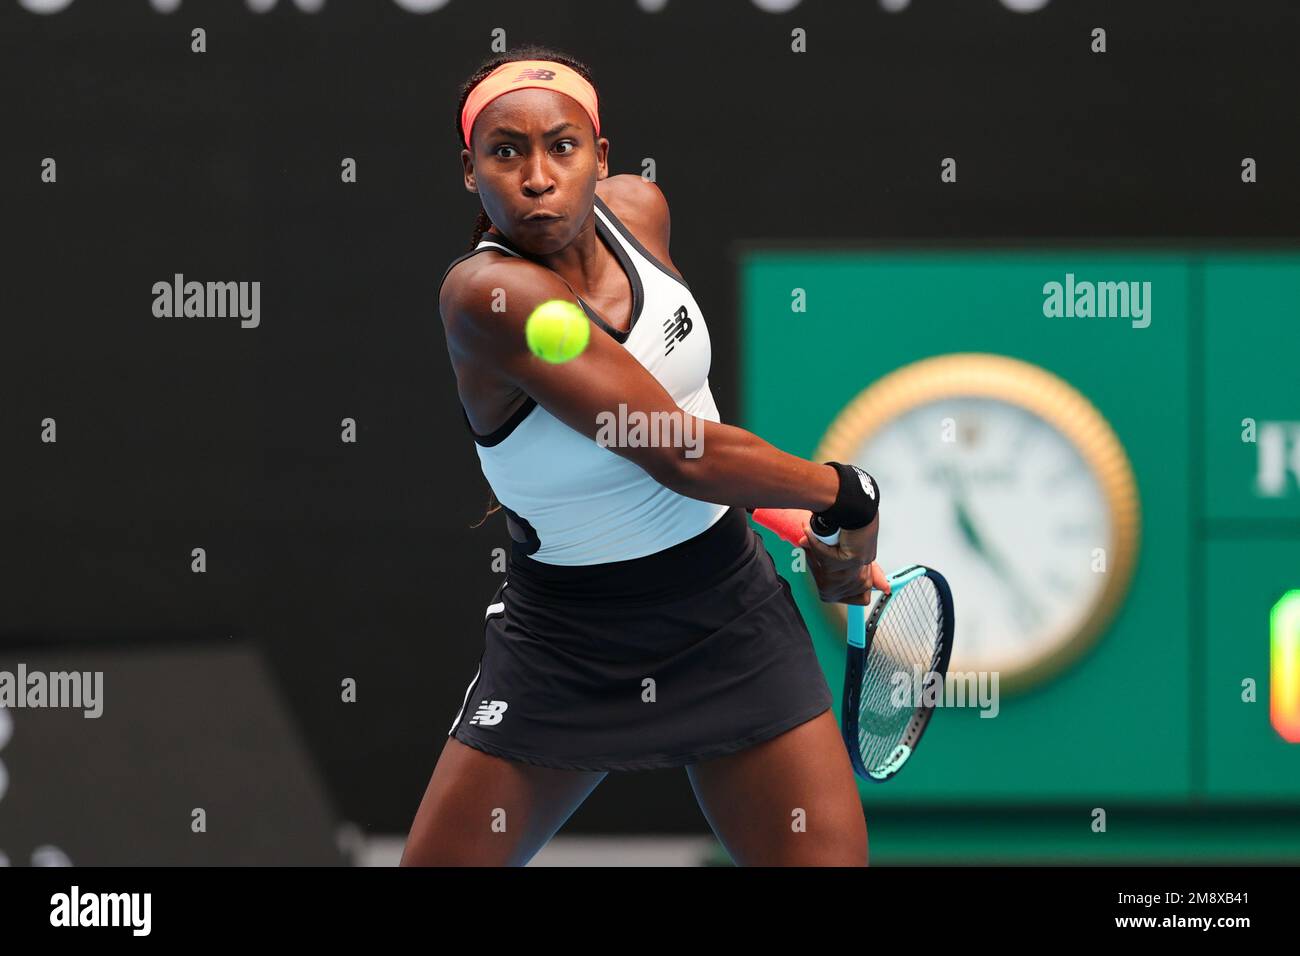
x=474, y=282
x=639, y=203
x=641, y=207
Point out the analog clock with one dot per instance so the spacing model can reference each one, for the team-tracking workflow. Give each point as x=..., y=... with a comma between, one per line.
x=1007, y=480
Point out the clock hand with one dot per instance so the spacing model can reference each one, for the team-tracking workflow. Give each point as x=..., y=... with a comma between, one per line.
x=964, y=521
x=994, y=560
x=968, y=529
x=1028, y=610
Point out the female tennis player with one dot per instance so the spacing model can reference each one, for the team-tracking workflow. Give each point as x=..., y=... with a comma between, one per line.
x=641, y=622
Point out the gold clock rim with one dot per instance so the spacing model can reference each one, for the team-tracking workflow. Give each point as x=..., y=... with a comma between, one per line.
x=1051, y=398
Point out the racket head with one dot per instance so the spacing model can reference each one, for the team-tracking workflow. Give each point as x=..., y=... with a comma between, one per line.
x=906, y=631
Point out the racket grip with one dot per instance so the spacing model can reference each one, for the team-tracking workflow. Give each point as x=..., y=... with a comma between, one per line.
x=824, y=531
x=788, y=524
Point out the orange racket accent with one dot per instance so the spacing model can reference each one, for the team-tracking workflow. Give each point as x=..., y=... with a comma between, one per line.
x=786, y=522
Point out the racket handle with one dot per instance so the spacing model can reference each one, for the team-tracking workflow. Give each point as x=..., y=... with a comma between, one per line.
x=788, y=524
x=824, y=531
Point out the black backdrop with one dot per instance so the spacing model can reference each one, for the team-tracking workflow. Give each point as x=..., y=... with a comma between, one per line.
x=357, y=560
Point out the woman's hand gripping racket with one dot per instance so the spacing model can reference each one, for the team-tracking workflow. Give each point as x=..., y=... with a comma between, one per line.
x=903, y=644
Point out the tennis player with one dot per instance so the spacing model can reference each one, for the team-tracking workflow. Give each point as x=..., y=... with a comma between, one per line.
x=641, y=622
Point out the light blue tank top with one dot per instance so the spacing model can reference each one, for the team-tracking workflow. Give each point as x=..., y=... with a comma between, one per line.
x=571, y=500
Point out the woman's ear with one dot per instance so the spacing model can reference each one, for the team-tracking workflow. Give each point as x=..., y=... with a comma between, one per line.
x=467, y=166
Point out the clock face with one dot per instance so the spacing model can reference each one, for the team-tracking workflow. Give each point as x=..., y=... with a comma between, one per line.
x=1003, y=504
x=1004, y=478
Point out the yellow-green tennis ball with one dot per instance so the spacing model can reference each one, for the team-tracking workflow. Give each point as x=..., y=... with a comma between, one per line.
x=557, y=331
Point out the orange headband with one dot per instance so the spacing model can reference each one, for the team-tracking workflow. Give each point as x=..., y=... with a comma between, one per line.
x=523, y=75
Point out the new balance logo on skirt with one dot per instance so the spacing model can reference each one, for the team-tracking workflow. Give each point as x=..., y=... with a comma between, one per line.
x=489, y=712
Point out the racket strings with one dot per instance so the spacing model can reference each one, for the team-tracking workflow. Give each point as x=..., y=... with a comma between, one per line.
x=905, y=645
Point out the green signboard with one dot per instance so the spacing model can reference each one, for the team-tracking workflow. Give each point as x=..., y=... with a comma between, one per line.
x=1185, y=361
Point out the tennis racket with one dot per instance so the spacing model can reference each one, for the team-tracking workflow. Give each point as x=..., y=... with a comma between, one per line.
x=900, y=647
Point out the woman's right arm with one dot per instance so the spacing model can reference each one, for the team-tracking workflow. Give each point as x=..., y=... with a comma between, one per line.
x=734, y=467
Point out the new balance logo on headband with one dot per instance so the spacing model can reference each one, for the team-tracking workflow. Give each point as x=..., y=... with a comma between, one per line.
x=489, y=712
x=535, y=75
x=676, y=328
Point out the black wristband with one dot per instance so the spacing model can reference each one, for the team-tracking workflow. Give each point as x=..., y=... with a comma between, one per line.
x=856, y=503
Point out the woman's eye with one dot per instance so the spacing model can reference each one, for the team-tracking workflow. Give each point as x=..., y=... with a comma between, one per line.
x=564, y=142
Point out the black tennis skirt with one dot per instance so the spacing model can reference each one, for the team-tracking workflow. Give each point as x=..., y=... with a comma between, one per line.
x=690, y=653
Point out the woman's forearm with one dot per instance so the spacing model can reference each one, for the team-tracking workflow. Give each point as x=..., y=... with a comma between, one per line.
x=736, y=467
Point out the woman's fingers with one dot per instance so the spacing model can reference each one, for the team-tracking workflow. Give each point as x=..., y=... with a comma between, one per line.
x=830, y=555
x=842, y=587
x=810, y=543
x=841, y=579
x=861, y=591
x=879, y=579
x=856, y=587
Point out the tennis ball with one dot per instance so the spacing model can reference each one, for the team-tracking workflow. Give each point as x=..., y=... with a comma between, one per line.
x=557, y=331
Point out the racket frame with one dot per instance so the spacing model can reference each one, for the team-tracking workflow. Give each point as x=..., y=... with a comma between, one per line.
x=787, y=523
x=861, y=634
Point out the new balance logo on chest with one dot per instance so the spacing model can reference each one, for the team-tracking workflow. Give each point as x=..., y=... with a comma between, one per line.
x=676, y=327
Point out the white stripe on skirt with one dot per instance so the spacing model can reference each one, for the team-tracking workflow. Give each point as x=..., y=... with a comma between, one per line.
x=492, y=609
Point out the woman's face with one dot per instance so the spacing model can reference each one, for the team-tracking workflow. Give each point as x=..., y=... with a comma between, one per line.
x=535, y=151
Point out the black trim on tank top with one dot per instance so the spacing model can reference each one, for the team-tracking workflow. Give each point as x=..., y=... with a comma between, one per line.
x=516, y=526
x=502, y=432
x=636, y=244
x=633, y=278
x=454, y=263
x=624, y=260
x=499, y=434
